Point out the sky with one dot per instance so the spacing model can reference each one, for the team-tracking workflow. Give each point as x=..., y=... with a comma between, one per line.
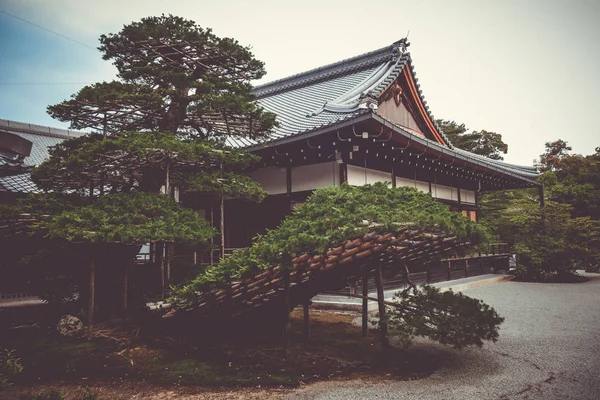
x=526, y=69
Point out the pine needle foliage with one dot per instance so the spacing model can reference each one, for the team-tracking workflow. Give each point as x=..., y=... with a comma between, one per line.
x=331, y=216
x=139, y=159
x=126, y=218
x=449, y=318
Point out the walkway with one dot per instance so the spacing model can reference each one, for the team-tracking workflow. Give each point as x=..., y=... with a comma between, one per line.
x=548, y=349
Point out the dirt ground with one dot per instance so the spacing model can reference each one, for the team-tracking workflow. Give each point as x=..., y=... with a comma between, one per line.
x=252, y=367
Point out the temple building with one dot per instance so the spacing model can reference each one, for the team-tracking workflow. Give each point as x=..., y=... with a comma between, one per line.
x=360, y=120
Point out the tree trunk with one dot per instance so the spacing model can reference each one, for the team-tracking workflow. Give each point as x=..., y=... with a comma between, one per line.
x=91, y=304
x=125, y=291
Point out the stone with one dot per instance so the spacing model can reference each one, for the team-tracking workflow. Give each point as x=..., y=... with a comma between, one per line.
x=69, y=325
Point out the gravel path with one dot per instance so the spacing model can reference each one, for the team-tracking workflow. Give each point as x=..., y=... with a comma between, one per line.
x=549, y=348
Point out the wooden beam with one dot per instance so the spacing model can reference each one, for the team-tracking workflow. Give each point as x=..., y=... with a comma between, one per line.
x=383, y=328
x=92, y=302
x=365, y=305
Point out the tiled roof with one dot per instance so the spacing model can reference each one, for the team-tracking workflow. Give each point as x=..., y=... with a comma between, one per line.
x=42, y=138
x=330, y=94
x=337, y=93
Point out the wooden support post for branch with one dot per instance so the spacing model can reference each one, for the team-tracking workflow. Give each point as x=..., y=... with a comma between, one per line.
x=162, y=271
x=383, y=328
x=91, y=303
x=286, y=312
x=466, y=268
x=195, y=258
x=365, y=305
x=222, y=226
x=212, y=240
x=124, y=293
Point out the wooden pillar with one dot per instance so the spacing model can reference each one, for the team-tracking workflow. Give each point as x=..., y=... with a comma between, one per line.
x=466, y=268
x=168, y=255
x=286, y=311
x=383, y=328
x=365, y=305
x=343, y=173
x=288, y=180
x=162, y=271
x=449, y=270
x=477, y=210
x=460, y=207
x=92, y=300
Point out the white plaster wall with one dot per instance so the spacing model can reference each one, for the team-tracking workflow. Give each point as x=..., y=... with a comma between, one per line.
x=358, y=176
x=272, y=179
x=311, y=177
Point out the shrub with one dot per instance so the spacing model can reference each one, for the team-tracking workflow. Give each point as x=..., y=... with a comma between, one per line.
x=10, y=366
x=447, y=317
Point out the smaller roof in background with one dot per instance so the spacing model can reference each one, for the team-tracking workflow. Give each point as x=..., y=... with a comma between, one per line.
x=41, y=138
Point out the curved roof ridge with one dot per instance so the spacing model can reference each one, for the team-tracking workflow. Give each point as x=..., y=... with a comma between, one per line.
x=40, y=130
x=500, y=163
x=404, y=60
x=342, y=67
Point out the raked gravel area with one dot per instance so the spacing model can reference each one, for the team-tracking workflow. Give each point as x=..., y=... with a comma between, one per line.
x=549, y=348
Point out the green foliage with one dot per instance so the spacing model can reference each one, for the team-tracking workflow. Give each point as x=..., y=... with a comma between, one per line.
x=484, y=143
x=10, y=366
x=573, y=179
x=553, y=155
x=133, y=218
x=332, y=215
x=450, y=318
x=178, y=77
x=139, y=159
x=546, y=240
